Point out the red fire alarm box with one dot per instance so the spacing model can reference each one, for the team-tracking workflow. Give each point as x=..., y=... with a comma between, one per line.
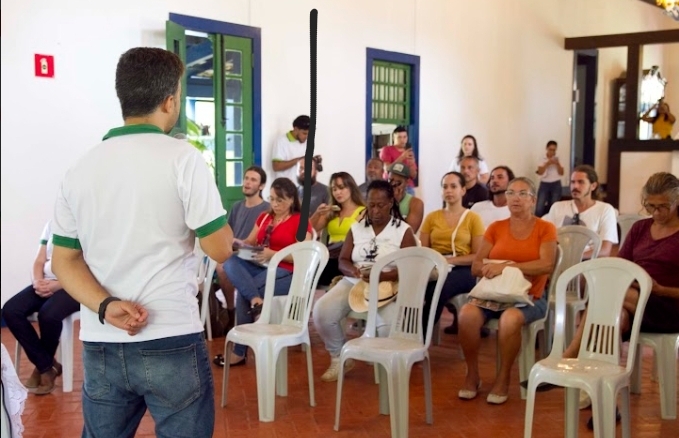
x=44, y=66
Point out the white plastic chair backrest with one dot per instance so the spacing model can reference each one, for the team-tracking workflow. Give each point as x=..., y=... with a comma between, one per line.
x=310, y=258
x=625, y=221
x=601, y=337
x=414, y=264
x=573, y=240
x=556, y=272
x=314, y=234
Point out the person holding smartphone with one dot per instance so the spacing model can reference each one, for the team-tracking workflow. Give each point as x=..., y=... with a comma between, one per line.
x=400, y=152
x=550, y=171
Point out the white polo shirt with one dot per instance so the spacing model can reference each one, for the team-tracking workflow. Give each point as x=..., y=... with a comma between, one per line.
x=286, y=148
x=134, y=204
x=46, y=239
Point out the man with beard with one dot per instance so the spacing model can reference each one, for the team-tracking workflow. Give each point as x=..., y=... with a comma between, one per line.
x=373, y=172
x=319, y=191
x=496, y=208
x=475, y=192
x=585, y=210
x=242, y=221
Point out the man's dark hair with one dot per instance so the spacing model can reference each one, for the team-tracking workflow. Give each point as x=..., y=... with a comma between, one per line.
x=400, y=129
x=551, y=142
x=302, y=122
x=259, y=171
x=591, y=176
x=145, y=77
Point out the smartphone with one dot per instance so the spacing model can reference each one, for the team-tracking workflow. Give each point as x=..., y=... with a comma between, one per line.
x=335, y=208
x=409, y=146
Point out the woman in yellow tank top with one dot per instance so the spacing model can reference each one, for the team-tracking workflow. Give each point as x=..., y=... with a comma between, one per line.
x=346, y=207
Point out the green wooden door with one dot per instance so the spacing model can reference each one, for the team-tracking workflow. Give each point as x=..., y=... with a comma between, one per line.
x=176, y=42
x=233, y=146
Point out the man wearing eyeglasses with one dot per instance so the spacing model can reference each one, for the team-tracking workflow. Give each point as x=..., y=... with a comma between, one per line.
x=585, y=210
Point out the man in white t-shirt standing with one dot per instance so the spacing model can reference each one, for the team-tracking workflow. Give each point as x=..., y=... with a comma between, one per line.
x=495, y=209
x=585, y=210
x=290, y=149
x=125, y=222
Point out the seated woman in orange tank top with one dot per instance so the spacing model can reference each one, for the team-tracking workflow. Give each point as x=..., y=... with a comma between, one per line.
x=529, y=243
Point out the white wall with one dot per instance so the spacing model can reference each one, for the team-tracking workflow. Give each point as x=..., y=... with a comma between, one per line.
x=498, y=71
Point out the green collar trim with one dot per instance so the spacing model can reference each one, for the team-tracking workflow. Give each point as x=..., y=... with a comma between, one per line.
x=290, y=136
x=133, y=129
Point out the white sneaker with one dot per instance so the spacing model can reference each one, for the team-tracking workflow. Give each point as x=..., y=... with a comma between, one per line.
x=585, y=401
x=332, y=373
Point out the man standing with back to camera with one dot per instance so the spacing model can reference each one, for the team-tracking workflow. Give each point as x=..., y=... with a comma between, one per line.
x=125, y=222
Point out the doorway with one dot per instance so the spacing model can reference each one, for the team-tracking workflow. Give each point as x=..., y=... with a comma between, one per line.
x=583, y=127
x=220, y=113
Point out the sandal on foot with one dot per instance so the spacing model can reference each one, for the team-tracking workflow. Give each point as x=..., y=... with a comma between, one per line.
x=255, y=310
x=218, y=360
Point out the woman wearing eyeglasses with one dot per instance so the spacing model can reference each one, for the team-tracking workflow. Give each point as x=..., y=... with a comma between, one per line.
x=457, y=233
x=273, y=231
x=653, y=244
x=529, y=244
x=345, y=208
x=381, y=232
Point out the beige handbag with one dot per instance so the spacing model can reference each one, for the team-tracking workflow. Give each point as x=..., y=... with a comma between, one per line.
x=510, y=287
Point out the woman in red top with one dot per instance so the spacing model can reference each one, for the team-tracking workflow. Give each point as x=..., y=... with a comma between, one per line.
x=273, y=231
x=529, y=243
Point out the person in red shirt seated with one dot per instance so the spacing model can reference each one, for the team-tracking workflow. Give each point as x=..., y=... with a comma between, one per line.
x=273, y=231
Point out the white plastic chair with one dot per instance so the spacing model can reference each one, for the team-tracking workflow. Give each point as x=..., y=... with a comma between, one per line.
x=270, y=341
x=625, y=221
x=64, y=351
x=597, y=369
x=206, y=270
x=573, y=240
x=665, y=347
x=406, y=344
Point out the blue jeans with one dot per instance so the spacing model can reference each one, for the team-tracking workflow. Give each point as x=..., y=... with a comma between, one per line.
x=249, y=279
x=170, y=376
x=548, y=194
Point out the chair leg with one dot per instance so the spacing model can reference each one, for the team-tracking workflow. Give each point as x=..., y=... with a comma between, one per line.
x=666, y=364
x=399, y=377
x=428, y=407
x=338, y=401
x=635, y=378
x=436, y=335
x=625, y=413
x=530, y=409
x=66, y=344
x=225, y=373
x=266, y=384
x=572, y=397
x=376, y=371
x=282, y=373
x=310, y=372
x=17, y=356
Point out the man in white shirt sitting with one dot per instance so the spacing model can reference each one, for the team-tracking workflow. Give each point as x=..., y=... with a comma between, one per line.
x=585, y=210
x=495, y=209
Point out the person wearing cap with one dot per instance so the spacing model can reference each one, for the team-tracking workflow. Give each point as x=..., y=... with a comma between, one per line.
x=290, y=149
x=410, y=206
x=382, y=231
x=400, y=152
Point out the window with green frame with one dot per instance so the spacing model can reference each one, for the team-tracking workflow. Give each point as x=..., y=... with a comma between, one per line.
x=391, y=93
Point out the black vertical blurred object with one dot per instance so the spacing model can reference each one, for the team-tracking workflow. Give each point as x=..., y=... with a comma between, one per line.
x=304, y=220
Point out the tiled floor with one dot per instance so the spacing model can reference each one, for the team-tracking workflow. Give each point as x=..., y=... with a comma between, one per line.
x=59, y=414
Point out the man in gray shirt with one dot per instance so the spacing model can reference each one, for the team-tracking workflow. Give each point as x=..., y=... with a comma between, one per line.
x=242, y=220
x=319, y=191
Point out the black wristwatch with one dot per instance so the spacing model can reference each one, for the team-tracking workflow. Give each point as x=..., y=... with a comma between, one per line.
x=102, y=307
